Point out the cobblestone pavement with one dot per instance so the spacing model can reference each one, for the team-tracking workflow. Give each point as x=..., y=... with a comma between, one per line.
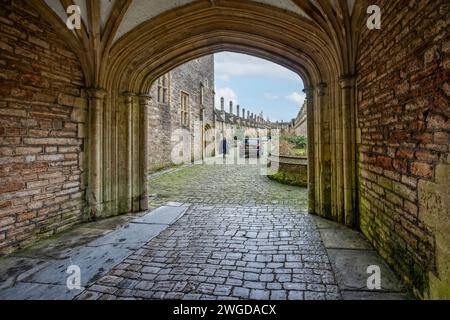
x=227, y=252
x=223, y=184
x=242, y=237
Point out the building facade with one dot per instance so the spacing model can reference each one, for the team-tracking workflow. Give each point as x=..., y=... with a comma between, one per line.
x=182, y=107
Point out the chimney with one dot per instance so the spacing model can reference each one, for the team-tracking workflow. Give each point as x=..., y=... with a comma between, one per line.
x=248, y=115
x=237, y=110
x=243, y=113
x=222, y=105
x=231, y=107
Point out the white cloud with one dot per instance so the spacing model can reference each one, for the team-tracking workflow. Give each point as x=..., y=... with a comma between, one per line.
x=228, y=94
x=271, y=96
x=298, y=98
x=229, y=64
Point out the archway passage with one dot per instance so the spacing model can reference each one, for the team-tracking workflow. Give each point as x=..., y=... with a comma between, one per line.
x=385, y=173
x=156, y=46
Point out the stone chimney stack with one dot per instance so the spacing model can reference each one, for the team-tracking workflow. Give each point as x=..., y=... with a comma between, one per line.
x=248, y=115
x=243, y=113
x=222, y=105
x=231, y=107
x=237, y=111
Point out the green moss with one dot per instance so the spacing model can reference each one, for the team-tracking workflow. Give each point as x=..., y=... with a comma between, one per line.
x=164, y=167
x=419, y=279
x=287, y=178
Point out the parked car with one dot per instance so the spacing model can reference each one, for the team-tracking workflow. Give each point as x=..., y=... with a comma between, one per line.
x=250, y=147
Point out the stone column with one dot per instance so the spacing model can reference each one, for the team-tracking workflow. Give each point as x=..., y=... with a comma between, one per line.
x=94, y=191
x=324, y=150
x=129, y=149
x=311, y=162
x=347, y=84
x=144, y=106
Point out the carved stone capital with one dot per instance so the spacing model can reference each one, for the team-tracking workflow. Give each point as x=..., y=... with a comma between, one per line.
x=321, y=88
x=309, y=91
x=145, y=99
x=347, y=81
x=128, y=97
x=96, y=93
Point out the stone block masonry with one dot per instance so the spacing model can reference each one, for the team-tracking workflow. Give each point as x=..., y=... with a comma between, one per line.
x=196, y=79
x=403, y=110
x=42, y=129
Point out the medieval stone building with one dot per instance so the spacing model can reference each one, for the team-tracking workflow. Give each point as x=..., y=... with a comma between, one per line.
x=235, y=125
x=182, y=107
x=300, y=124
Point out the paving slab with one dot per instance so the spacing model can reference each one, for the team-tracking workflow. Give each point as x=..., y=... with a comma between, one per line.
x=37, y=291
x=63, y=246
x=130, y=236
x=373, y=295
x=12, y=267
x=40, y=272
x=323, y=223
x=350, y=268
x=162, y=215
x=93, y=263
x=344, y=238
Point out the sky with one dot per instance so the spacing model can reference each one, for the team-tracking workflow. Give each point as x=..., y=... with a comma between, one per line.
x=257, y=85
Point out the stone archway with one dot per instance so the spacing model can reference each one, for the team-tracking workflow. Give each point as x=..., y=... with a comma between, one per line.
x=88, y=90
x=125, y=70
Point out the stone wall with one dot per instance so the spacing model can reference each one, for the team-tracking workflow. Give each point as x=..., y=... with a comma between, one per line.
x=41, y=129
x=404, y=118
x=291, y=170
x=165, y=118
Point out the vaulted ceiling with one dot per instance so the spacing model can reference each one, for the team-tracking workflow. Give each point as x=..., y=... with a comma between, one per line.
x=108, y=23
x=140, y=11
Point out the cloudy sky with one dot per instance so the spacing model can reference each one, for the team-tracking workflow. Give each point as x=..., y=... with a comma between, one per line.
x=257, y=85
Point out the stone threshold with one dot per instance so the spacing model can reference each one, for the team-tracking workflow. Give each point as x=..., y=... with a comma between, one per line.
x=40, y=272
x=350, y=256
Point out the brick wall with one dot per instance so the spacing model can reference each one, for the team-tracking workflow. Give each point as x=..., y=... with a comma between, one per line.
x=41, y=129
x=165, y=119
x=404, y=117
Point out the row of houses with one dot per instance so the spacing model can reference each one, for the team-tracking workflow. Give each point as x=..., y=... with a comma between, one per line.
x=185, y=126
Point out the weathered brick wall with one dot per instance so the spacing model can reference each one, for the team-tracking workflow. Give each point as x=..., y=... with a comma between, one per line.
x=404, y=117
x=41, y=129
x=165, y=119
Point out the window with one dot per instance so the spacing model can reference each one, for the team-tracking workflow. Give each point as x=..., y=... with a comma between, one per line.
x=163, y=89
x=202, y=92
x=184, y=109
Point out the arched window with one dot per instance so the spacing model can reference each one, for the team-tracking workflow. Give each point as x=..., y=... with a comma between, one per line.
x=163, y=89
x=184, y=109
x=202, y=94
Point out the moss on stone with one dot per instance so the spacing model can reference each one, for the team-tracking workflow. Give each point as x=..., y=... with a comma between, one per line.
x=419, y=279
x=287, y=178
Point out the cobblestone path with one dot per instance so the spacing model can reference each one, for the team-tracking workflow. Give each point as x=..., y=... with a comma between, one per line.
x=227, y=252
x=243, y=237
x=223, y=184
